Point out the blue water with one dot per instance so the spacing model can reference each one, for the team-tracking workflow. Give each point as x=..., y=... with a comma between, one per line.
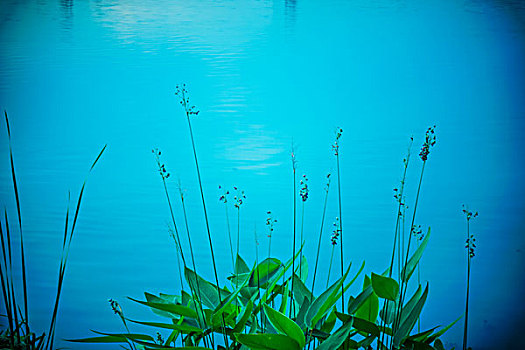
x=76, y=75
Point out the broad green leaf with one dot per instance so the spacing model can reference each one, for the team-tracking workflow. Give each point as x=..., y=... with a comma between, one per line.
x=171, y=308
x=241, y=266
x=284, y=325
x=300, y=291
x=267, y=341
x=388, y=311
x=408, y=270
x=155, y=299
x=335, y=340
x=407, y=308
x=385, y=287
x=206, y=291
x=362, y=325
x=329, y=323
x=408, y=324
x=369, y=308
x=325, y=301
x=243, y=317
x=284, y=300
x=355, y=303
x=264, y=271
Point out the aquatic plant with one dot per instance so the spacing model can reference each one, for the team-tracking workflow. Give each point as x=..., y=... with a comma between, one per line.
x=250, y=309
x=18, y=335
x=470, y=245
x=303, y=192
x=335, y=147
x=335, y=236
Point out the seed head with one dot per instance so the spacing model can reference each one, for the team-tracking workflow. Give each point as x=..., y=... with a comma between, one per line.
x=430, y=140
x=336, y=232
x=303, y=192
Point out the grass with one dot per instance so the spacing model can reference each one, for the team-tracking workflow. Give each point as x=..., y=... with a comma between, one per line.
x=18, y=335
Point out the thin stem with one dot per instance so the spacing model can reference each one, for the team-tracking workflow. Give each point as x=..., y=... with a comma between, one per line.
x=292, y=304
x=320, y=234
x=404, y=284
x=229, y=235
x=465, y=328
x=330, y=266
x=187, y=110
x=341, y=233
x=301, y=253
x=238, y=240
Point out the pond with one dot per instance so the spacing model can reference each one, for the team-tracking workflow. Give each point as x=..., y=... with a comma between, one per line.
x=266, y=77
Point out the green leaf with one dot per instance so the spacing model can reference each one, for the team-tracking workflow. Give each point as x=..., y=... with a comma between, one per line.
x=388, y=311
x=369, y=308
x=302, y=269
x=442, y=331
x=337, y=339
x=325, y=301
x=206, y=291
x=267, y=341
x=408, y=270
x=385, y=287
x=171, y=308
x=438, y=345
x=241, y=266
x=264, y=271
x=155, y=299
x=284, y=325
x=243, y=317
x=329, y=323
x=408, y=324
x=355, y=303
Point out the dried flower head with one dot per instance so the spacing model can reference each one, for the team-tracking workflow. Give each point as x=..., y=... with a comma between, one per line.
x=471, y=245
x=335, y=146
x=430, y=140
x=336, y=232
x=468, y=214
x=162, y=169
x=269, y=223
x=160, y=341
x=417, y=232
x=223, y=197
x=184, y=100
x=303, y=192
x=116, y=307
x=238, y=198
x=327, y=187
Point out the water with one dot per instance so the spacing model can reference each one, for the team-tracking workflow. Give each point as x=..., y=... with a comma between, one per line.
x=75, y=75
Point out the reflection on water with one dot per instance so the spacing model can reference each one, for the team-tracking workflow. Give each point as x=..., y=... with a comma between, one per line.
x=77, y=75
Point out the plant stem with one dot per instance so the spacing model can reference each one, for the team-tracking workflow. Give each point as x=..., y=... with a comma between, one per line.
x=341, y=233
x=465, y=328
x=330, y=266
x=301, y=254
x=292, y=304
x=320, y=234
x=187, y=110
x=229, y=235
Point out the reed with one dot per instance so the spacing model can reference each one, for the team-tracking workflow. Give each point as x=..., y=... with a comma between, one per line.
x=19, y=331
x=335, y=237
x=430, y=141
x=190, y=110
x=335, y=147
x=238, y=201
x=470, y=245
x=294, y=168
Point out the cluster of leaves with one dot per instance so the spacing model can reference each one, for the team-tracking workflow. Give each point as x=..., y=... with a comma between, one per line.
x=253, y=314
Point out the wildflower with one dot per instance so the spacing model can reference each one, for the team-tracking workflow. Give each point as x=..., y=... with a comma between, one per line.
x=238, y=198
x=116, y=307
x=181, y=92
x=336, y=232
x=304, y=188
x=162, y=168
x=468, y=213
x=223, y=197
x=335, y=146
x=470, y=245
x=417, y=232
x=430, y=140
x=269, y=223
